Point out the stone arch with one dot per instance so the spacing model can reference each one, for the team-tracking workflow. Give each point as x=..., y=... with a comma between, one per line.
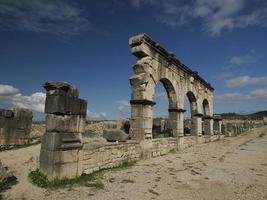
x=193, y=102
x=206, y=108
x=155, y=64
x=195, y=114
x=171, y=91
x=207, y=118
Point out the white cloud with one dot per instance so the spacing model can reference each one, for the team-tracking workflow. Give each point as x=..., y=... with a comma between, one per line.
x=96, y=115
x=34, y=102
x=7, y=90
x=246, y=80
x=123, y=104
x=216, y=16
x=244, y=59
x=254, y=96
x=124, y=107
x=51, y=16
x=13, y=97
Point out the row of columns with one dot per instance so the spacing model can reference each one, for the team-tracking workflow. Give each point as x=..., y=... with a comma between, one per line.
x=142, y=121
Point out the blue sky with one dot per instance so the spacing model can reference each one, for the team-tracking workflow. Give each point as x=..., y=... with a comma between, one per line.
x=86, y=43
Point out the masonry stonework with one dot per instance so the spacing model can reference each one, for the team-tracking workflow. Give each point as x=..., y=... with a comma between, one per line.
x=155, y=64
x=61, y=150
x=65, y=154
x=15, y=126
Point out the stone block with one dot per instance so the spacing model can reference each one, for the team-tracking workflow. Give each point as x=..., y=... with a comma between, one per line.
x=55, y=104
x=60, y=171
x=22, y=113
x=65, y=105
x=54, y=87
x=65, y=123
x=112, y=135
x=51, y=141
x=57, y=157
x=6, y=113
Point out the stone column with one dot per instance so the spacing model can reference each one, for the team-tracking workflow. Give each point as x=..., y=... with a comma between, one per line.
x=176, y=121
x=196, y=124
x=141, y=121
x=208, y=125
x=217, y=126
x=61, y=148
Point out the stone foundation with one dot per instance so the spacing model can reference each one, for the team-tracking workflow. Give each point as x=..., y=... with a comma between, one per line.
x=15, y=126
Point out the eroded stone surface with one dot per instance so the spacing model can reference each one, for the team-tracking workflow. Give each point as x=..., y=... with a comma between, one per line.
x=61, y=152
x=15, y=126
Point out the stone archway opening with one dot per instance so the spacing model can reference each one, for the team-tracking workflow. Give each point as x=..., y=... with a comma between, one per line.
x=207, y=119
x=191, y=125
x=165, y=99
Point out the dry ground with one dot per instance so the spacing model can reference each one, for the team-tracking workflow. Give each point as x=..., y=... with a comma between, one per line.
x=233, y=168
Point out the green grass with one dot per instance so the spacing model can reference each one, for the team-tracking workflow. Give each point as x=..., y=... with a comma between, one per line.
x=14, y=147
x=93, y=180
x=7, y=184
x=173, y=151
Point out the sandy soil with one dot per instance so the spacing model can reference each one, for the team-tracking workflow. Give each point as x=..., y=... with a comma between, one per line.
x=233, y=168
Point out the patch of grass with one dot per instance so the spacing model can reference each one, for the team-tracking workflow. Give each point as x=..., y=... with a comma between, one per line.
x=14, y=147
x=89, y=180
x=7, y=184
x=173, y=151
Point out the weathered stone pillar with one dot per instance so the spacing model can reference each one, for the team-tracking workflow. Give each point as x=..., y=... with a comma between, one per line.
x=208, y=125
x=141, y=122
x=176, y=121
x=15, y=126
x=217, y=124
x=196, y=124
x=61, y=149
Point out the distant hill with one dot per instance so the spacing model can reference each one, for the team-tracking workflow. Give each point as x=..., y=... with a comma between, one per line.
x=256, y=115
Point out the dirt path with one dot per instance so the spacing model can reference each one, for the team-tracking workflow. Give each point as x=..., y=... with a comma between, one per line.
x=233, y=168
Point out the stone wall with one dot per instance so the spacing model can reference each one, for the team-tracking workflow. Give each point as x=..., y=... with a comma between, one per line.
x=163, y=146
x=15, y=126
x=96, y=157
x=236, y=126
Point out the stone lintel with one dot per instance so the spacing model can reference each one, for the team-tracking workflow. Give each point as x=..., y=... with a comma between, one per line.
x=176, y=110
x=142, y=45
x=143, y=102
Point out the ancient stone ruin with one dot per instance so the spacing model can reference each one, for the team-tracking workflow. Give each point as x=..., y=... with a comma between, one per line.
x=61, y=149
x=15, y=126
x=155, y=64
x=66, y=153
x=236, y=127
